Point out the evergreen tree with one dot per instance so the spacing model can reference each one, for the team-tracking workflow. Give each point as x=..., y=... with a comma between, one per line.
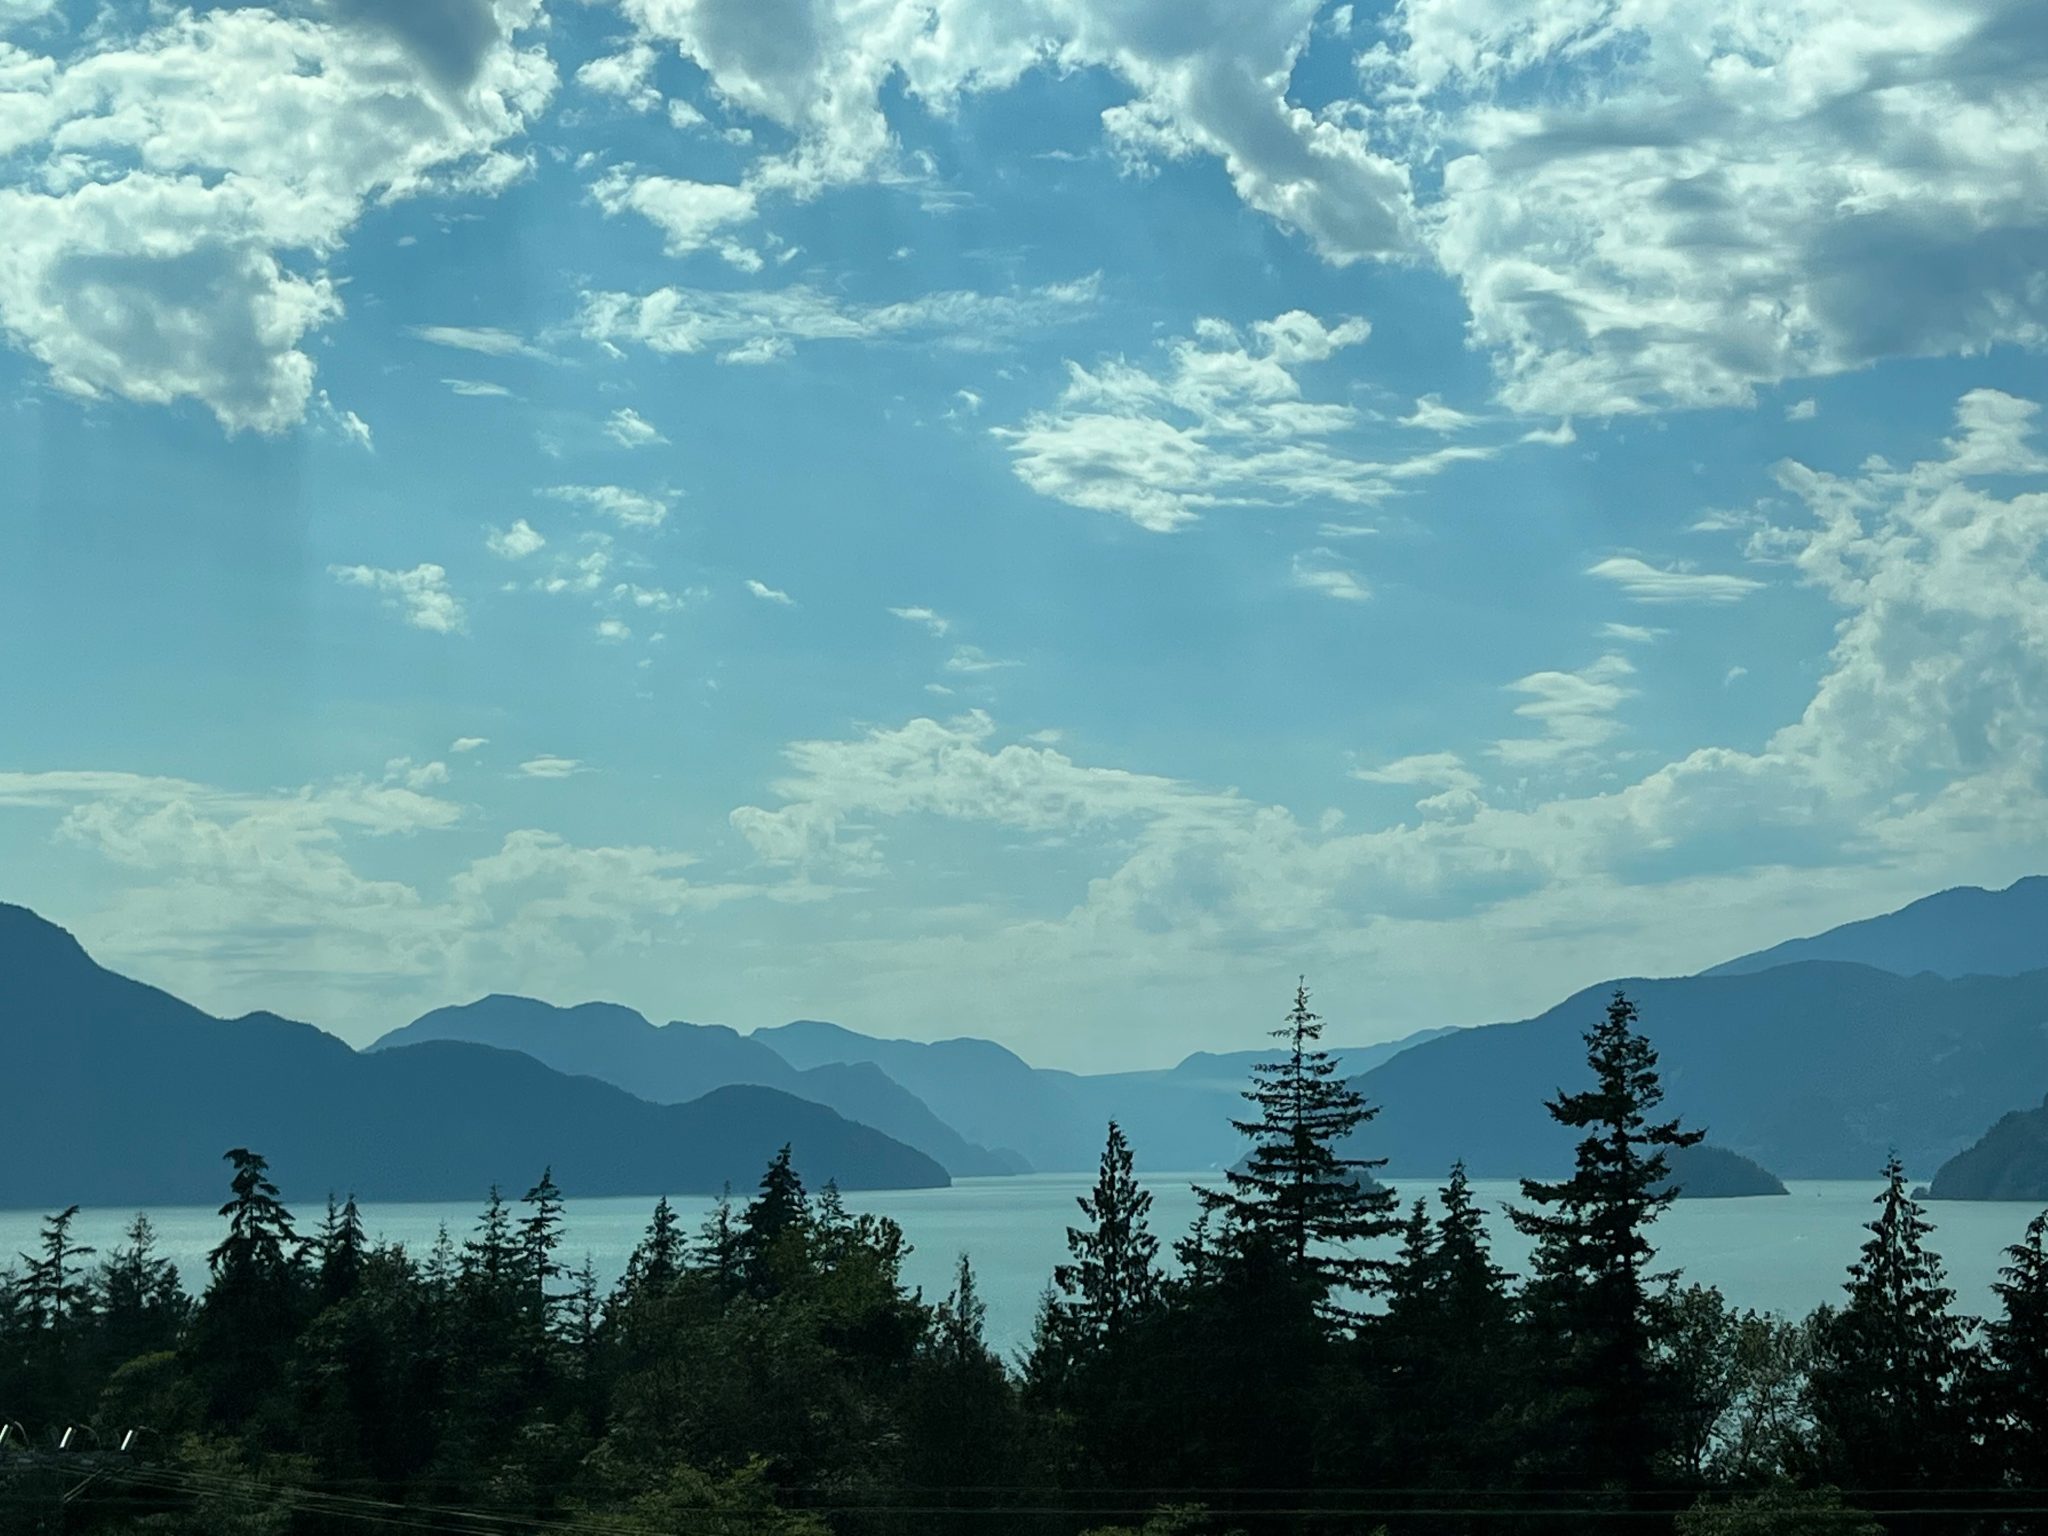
x=141, y=1302
x=1113, y=1279
x=342, y=1247
x=1296, y=1188
x=540, y=1234
x=1589, y=1293
x=657, y=1260
x=1886, y=1390
x=251, y=1311
x=719, y=1252
x=2016, y=1344
x=53, y=1289
x=490, y=1258
x=261, y=1245
x=773, y=1227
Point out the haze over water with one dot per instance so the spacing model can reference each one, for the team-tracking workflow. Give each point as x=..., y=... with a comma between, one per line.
x=1783, y=1254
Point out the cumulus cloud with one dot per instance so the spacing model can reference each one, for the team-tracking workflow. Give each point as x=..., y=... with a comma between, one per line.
x=1670, y=205
x=244, y=900
x=420, y=595
x=1224, y=419
x=515, y=543
x=1212, y=83
x=768, y=594
x=1645, y=583
x=468, y=743
x=184, y=187
x=629, y=429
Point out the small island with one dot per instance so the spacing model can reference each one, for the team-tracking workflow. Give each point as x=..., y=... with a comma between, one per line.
x=2008, y=1162
x=1708, y=1172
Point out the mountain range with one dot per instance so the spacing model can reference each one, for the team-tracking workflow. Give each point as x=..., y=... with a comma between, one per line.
x=115, y=1093
x=1810, y=1057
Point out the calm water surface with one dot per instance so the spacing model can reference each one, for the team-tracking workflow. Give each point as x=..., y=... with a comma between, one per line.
x=1784, y=1254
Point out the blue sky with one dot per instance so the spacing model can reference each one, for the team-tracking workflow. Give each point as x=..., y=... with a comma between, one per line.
x=1040, y=520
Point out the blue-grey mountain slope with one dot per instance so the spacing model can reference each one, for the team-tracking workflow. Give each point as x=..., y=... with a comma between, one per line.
x=1815, y=1070
x=1967, y=931
x=675, y=1062
x=116, y=1093
x=1177, y=1117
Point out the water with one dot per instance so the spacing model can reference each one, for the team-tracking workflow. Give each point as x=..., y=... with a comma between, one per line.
x=1784, y=1254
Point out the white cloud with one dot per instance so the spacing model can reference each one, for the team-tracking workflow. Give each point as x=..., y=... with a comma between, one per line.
x=1630, y=634
x=490, y=341
x=613, y=631
x=1734, y=674
x=1672, y=204
x=1434, y=770
x=468, y=743
x=550, y=767
x=690, y=214
x=256, y=900
x=185, y=186
x=629, y=509
x=478, y=389
x=1802, y=410
x=1575, y=710
x=765, y=325
x=971, y=659
x=1318, y=570
x=1432, y=415
x=515, y=543
x=1645, y=583
x=421, y=594
x=626, y=76
x=629, y=429
x=1213, y=83
x=768, y=594
x=938, y=624
x=1223, y=423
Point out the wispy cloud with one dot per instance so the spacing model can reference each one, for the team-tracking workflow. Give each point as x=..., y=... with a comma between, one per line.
x=486, y=339
x=1642, y=582
x=769, y=594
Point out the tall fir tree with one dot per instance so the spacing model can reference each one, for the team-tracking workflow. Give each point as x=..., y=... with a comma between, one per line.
x=1297, y=1190
x=1112, y=1279
x=262, y=1244
x=540, y=1234
x=2016, y=1350
x=142, y=1305
x=343, y=1247
x=1887, y=1390
x=657, y=1259
x=251, y=1310
x=774, y=1226
x=1589, y=1295
x=54, y=1288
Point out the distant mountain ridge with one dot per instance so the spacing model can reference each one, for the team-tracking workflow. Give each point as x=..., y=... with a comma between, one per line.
x=1963, y=931
x=1815, y=1069
x=676, y=1062
x=118, y=1093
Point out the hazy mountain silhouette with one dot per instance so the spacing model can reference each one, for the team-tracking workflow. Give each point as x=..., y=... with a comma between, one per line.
x=1966, y=931
x=675, y=1062
x=2008, y=1162
x=972, y=1085
x=116, y=1093
x=1814, y=1069
x=1178, y=1117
